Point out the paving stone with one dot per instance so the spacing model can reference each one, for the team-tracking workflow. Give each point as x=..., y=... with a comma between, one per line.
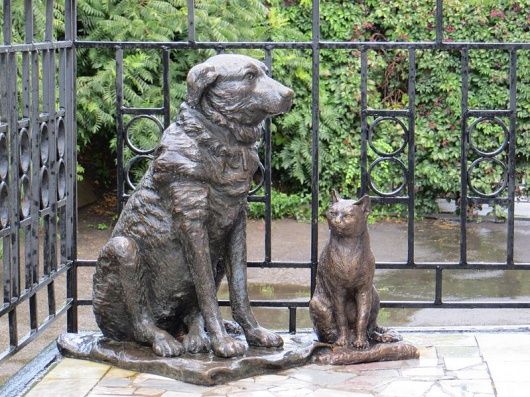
x=255, y=393
x=321, y=378
x=458, y=351
x=67, y=387
x=504, y=346
x=420, y=362
x=476, y=372
x=222, y=390
x=124, y=391
x=270, y=379
x=337, y=393
x=292, y=384
x=442, y=339
x=458, y=363
x=509, y=371
x=428, y=353
x=466, y=387
x=70, y=368
x=380, y=365
x=303, y=392
x=121, y=373
x=115, y=382
x=180, y=394
x=423, y=372
x=171, y=385
x=366, y=383
x=436, y=391
x=406, y=388
x=144, y=391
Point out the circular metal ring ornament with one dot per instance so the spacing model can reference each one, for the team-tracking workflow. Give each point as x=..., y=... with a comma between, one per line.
x=129, y=166
x=61, y=180
x=378, y=121
x=494, y=120
x=25, y=151
x=500, y=186
x=24, y=196
x=4, y=205
x=61, y=137
x=44, y=143
x=128, y=141
x=396, y=191
x=4, y=159
x=258, y=186
x=44, y=187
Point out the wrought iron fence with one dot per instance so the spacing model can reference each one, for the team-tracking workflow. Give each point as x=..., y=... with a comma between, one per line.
x=37, y=172
x=46, y=119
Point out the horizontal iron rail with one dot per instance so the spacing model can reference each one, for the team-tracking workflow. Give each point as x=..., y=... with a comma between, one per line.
x=43, y=282
x=308, y=45
x=379, y=265
x=31, y=47
x=386, y=304
x=34, y=334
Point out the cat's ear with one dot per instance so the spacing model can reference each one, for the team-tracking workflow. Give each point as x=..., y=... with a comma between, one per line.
x=335, y=196
x=364, y=203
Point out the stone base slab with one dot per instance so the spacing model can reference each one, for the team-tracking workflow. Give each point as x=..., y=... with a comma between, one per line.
x=207, y=369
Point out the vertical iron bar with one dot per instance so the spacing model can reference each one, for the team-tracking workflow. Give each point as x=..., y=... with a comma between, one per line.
x=439, y=22
x=364, y=123
x=119, y=124
x=411, y=154
x=165, y=87
x=463, y=157
x=511, y=157
x=191, y=20
x=315, y=87
x=50, y=255
x=267, y=173
x=292, y=319
x=35, y=183
x=438, y=286
x=71, y=163
x=32, y=232
x=13, y=174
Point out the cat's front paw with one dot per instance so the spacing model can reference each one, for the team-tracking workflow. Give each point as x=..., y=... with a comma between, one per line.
x=262, y=337
x=341, y=341
x=361, y=343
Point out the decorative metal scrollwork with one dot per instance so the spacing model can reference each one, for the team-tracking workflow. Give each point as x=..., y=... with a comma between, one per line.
x=390, y=157
x=488, y=157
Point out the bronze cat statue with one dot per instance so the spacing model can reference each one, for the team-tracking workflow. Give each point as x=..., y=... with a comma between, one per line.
x=345, y=304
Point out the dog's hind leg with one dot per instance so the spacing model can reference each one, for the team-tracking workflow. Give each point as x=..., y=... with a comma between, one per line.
x=120, y=256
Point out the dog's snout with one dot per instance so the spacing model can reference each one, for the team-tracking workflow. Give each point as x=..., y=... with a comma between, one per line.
x=287, y=93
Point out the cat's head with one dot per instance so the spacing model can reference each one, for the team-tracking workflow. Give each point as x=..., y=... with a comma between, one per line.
x=348, y=217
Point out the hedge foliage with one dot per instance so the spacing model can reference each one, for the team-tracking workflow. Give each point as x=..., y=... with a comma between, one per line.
x=438, y=83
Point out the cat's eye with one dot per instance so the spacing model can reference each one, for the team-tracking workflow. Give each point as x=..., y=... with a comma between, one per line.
x=250, y=76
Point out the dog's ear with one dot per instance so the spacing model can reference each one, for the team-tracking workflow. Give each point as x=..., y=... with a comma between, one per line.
x=199, y=78
x=364, y=203
x=335, y=196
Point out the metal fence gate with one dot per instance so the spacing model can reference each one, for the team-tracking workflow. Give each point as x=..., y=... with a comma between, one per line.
x=37, y=171
x=37, y=158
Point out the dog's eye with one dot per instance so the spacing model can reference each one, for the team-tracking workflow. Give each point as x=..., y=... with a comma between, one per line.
x=250, y=76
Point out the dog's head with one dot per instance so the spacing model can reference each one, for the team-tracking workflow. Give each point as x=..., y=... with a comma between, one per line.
x=238, y=88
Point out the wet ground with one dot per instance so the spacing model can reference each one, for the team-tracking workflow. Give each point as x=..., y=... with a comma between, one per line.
x=475, y=364
x=436, y=240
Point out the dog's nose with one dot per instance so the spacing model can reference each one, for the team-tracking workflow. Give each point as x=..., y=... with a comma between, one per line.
x=288, y=93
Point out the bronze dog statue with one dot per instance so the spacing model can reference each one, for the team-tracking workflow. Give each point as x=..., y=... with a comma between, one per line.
x=183, y=228
x=345, y=304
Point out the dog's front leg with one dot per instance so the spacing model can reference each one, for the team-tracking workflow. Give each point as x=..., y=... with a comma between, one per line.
x=236, y=272
x=196, y=248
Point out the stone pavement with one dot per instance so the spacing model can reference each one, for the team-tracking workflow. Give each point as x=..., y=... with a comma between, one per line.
x=475, y=364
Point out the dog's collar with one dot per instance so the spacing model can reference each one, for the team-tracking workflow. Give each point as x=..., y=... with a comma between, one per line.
x=235, y=153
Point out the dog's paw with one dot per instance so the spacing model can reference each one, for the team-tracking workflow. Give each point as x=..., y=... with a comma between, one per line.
x=226, y=346
x=195, y=343
x=361, y=343
x=166, y=346
x=262, y=337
